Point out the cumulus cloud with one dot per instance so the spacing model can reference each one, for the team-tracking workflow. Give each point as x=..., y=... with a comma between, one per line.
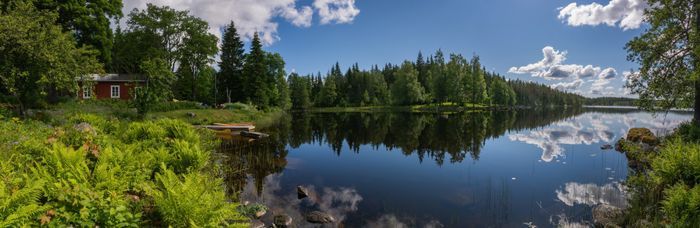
x=551, y=67
x=599, y=85
x=592, y=128
x=567, y=86
x=574, y=193
x=336, y=11
x=259, y=16
x=626, y=14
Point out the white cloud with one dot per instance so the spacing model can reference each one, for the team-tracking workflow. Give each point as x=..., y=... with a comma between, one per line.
x=253, y=16
x=338, y=11
x=551, y=67
x=551, y=57
x=627, y=14
x=599, y=85
x=574, y=193
x=567, y=86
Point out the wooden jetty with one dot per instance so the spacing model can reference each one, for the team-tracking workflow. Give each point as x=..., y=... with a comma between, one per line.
x=231, y=127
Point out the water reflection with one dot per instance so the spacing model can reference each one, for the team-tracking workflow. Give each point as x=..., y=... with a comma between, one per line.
x=469, y=169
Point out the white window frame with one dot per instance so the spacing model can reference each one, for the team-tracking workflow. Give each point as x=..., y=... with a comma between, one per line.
x=87, y=92
x=111, y=91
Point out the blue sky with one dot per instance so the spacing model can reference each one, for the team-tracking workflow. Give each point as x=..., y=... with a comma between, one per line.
x=504, y=33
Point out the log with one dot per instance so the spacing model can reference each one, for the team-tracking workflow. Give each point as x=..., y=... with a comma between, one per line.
x=252, y=134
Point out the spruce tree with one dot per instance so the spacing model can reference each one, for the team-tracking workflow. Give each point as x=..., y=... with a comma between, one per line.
x=230, y=76
x=256, y=81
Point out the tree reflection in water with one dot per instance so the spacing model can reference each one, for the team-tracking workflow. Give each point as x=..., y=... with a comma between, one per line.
x=429, y=135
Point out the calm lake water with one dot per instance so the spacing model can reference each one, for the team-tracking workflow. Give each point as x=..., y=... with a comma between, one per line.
x=469, y=169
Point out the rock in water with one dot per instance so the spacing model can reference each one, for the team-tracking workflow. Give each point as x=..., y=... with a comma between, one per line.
x=257, y=224
x=642, y=135
x=607, y=216
x=260, y=213
x=302, y=192
x=282, y=220
x=606, y=147
x=319, y=217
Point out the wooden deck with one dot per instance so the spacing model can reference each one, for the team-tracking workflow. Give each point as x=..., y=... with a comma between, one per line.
x=232, y=127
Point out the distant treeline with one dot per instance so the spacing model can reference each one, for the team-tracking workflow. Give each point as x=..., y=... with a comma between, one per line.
x=611, y=101
x=431, y=80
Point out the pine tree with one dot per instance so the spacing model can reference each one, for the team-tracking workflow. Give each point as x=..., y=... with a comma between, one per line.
x=230, y=76
x=256, y=81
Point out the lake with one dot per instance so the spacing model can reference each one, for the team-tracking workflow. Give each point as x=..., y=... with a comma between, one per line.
x=464, y=169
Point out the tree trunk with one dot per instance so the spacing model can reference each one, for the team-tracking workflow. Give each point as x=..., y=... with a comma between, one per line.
x=696, y=107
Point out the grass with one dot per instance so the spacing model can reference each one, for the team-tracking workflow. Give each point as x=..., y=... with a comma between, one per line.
x=121, y=110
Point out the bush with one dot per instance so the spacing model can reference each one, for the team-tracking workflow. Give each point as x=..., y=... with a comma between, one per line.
x=682, y=206
x=677, y=162
x=192, y=200
x=108, y=175
x=689, y=132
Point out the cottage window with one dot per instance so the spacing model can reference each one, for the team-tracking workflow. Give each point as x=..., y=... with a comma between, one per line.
x=87, y=92
x=115, y=91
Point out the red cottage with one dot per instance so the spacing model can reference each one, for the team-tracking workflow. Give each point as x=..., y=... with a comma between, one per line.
x=110, y=86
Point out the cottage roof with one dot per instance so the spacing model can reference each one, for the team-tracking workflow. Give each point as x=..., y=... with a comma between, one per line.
x=115, y=77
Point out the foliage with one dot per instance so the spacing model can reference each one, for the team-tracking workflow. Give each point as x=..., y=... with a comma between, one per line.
x=668, y=55
x=230, y=75
x=89, y=20
x=406, y=89
x=117, y=175
x=156, y=88
x=38, y=56
x=192, y=200
x=458, y=82
x=682, y=205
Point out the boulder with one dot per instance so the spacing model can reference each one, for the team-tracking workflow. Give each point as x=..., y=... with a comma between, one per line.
x=85, y=128
x=191, y=114
x=642, y=135
x=605, y=215
x=260, y=212
x=282, y=220
x=302, y=192
x=319, y=218
x=257, y=224
x=606, y=147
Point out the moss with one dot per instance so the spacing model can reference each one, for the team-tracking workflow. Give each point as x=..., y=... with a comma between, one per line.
x=642, y=135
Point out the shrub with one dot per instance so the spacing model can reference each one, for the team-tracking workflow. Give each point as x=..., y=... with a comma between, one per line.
x=677, y=162
x=682, y=206
x=192, y=200
x=689, y=132
x=19, y=200
x=187, y=157
x=107, y=175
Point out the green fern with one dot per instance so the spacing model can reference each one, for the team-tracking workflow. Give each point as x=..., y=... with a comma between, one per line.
x=192, y=200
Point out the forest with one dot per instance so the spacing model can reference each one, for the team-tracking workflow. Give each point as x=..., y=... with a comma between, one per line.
x=431, y=80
